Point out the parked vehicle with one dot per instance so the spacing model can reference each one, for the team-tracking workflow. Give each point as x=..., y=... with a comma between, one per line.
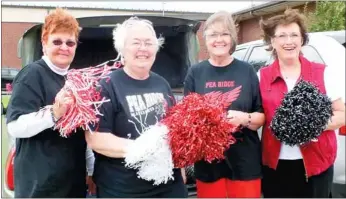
x=7, y=76
x=96, y=46
x=323, y=47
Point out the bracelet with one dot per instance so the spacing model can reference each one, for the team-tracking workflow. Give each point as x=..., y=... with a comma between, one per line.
x=249, y=121
x=52, y=114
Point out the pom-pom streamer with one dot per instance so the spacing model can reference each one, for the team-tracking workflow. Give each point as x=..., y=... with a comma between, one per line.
x=82, y=86
x=302, y=115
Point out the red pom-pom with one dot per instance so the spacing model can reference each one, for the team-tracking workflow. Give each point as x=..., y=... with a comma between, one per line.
x=198, y=127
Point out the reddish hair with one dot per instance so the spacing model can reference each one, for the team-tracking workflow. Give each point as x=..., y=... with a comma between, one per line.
x=60, y=21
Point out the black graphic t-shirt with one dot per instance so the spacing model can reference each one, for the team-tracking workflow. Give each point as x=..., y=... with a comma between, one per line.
x=243, y=159
x=45, y=165
x=135, y=104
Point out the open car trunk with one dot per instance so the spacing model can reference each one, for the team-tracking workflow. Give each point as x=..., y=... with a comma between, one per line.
x=179, y=51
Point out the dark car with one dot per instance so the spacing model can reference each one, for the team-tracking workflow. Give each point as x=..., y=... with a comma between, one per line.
x=7, y=76
x=179, y=52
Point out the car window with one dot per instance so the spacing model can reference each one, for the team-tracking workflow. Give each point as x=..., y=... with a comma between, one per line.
x=310, y=53
x=239, y=53
x=259, y=57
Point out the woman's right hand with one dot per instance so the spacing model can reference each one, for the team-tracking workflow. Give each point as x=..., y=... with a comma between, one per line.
x=61, y=104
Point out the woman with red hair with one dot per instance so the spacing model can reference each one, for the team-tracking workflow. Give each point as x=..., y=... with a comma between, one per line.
x=46, y=164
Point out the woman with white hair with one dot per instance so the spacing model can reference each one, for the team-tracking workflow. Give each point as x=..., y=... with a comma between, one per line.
x=239, y=175
x=138, y=98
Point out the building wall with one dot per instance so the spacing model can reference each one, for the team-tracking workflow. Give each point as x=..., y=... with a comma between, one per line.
x=14, y=26
x=10, y=35
x=250, y=30
x=203, y=52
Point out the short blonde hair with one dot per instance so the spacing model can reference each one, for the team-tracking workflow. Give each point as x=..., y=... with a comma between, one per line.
x=226, y=19
x=120, y=33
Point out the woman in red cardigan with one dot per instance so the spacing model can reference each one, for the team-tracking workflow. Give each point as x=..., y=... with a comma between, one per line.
x=306, y=170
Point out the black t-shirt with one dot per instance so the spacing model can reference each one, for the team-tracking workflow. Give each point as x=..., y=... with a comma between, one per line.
x=134, y=104
x=45, y=165
x=243, y=159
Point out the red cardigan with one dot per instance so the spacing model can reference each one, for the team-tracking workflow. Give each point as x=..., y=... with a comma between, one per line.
x=317, y=156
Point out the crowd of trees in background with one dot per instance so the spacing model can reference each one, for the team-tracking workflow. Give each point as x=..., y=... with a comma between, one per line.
x=328, y=16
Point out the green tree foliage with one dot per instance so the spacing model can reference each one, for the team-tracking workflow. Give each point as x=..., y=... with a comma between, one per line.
x=328, y=16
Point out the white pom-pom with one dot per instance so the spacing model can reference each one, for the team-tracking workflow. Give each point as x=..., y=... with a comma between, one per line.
x=158, y=167
x=151, y=155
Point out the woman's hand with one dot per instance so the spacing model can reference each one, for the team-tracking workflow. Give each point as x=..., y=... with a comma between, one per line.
x=237, y=118
x=62, y=104
x=91, y=185
x=183, y=174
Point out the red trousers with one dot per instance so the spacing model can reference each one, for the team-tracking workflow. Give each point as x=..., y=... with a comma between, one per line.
x=225, y=188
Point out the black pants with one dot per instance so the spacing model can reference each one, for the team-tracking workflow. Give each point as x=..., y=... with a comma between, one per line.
x=289, y=181
x=177, y=190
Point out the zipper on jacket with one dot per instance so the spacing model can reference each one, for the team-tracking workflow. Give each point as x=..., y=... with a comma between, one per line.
x=306, y=173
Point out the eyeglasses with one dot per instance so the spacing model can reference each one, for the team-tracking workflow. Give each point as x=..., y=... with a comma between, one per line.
x=284, y=37
x=217, y=35
x=138, y=44
x=59, y=42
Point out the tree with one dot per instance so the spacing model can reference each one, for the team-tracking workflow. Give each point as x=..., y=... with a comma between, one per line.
x=328, y=16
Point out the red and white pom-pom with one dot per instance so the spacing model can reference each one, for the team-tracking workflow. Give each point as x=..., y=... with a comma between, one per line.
x=81, y=85
x=194, y=129
x=151, y=155
x=199, y=129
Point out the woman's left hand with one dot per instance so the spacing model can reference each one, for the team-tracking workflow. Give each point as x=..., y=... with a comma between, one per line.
x=237, y=118
x=183, y=174
x=91, y=185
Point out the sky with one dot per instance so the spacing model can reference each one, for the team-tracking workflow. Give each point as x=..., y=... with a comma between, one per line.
x=196, y=6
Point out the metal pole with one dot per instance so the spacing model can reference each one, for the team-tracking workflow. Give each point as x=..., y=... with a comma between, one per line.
x=163, y=8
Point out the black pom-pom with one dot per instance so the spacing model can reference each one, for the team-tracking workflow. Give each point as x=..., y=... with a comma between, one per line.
x=302, y=115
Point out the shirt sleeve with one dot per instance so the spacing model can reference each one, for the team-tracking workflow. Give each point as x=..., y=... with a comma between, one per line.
x=24, y=99
x=256, y=95
x=90, y=160
x=189, y=83
x=31, y=124
x=26, y=115
x=107, y=109
x=259, y=75
x=335, y=88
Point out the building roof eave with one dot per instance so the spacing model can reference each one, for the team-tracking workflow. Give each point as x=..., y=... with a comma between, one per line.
x=265, y=9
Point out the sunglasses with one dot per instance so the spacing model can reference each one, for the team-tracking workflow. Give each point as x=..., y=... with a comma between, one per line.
x=59, y=42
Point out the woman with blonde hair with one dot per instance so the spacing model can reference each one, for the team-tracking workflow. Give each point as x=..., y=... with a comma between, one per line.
x=239, y=175
x=299, y=171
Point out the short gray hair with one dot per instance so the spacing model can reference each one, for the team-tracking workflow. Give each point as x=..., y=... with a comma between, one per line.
x=226, y=19
x=121, y=31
